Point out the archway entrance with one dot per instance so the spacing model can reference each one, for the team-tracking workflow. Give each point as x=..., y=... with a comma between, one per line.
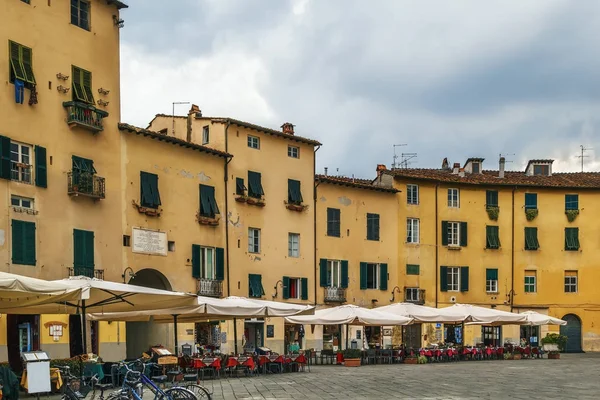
x=150, y=278
x=573, y=333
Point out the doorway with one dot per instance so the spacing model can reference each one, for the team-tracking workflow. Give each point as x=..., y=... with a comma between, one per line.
x=411, y=336
x=573, y=333
x=492, y=335
x=253, y=335
x=75, y=335
x=530, y=335
x=22, y=334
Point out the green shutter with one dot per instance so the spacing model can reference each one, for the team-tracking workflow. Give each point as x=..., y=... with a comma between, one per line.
x=5, y=157
x=571, y=202
x=41, y=174
x=83, y=251
x=491, y=274
x=333, y=222
x=323, y=272
x=376, y=227
x=344, y=272
x=530, y=201
x=255, y=185
x=492, y=237
x=294, y=193
x=383, y=276
x=208, y=205
x=17, y=242
x=443, y=279
x=29, y=242
x=15, y=61
x=255, y=285
x=286, y=287
x=412, y=269
x=464, y=279
x=27, y=63
x=23, y=242
x=444, y=233
x=240, y=188
x=220, y=262
x=76, y=78
x=86, y=82
x=89, y=250
x=304, y=284
x=149, y=194
x=531, y=240
x=213, y=201
x=463, y=234
x=196, y=255
x=372, y=226
x=571, y=239
x=491, y=198
x=363, y=276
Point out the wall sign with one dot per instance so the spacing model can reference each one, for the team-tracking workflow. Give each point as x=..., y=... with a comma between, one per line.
x=149, y=242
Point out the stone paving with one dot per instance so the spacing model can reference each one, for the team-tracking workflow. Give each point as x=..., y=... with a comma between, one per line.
x=574, y=376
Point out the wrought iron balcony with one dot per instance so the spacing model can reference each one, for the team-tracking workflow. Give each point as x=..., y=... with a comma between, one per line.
x=335, y=294
x=89, y=272
x=415, y=296
x=210, y=287
x=84, y=115
x=85, y=184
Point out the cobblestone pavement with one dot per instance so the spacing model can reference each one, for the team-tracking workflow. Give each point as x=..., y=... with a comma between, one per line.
x=574, y=376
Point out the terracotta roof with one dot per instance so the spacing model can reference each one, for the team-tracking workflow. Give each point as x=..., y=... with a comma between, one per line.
x=586, y=180
x=170, y=139
x=354, y=182
x=248, y=125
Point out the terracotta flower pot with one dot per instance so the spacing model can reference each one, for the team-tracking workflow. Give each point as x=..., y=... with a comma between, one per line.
x=411, y=360
x=553, y=356
x=517, y=356
x=352, y=362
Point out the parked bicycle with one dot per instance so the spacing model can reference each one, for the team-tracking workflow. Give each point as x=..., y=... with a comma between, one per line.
x=70, y=391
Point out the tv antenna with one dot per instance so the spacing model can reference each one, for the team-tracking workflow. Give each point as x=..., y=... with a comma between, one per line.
x=406, y=157
x=394, y=163
x=582, y=156
x=506, y=155
x=173, y=115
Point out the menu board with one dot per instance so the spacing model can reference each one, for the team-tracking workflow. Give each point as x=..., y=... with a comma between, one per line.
x=149, y=242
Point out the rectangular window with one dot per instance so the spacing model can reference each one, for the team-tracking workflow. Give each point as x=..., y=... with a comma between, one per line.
x=240, y=188
x=453, y=279
x=333, y=273
x=572, y=239
x=293, y=244
x=205, y=134
x=82, y=85
x=83, y=249
x=491, y=280
x=294, y=288
x=492, y=237
x=21, y=63
x=21, y=202
x=530, y=282
x=208, y=203
x=333, y=222
x=23, y=242
x=570, y=281
x=207, y=263
x=255, y=188
x=126, y=241
x=412, y=194
x=531, y=239
x=293, y=151
x=541, y=169
x=453, y=198
x=412, y=295
x=571, y=202
x=372, y=276
x=253, y=142
x=491, y=198
x=475, y=167
x=255, y=288
x=253, y=240
x=412, y=230
x=372, y=226
x=530, y=201
x=412, y=269
x=20, y=162
x=80, y=14
x=149, y=194
x=294, y=192
x=453, y=233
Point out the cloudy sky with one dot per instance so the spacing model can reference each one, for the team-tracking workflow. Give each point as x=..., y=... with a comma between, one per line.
x=456, y=79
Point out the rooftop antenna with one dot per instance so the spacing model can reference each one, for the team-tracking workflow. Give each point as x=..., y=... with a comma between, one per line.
x=394, y=163
x=173, y=115
x=506, y=155
x=582, y=156
x=406, y=157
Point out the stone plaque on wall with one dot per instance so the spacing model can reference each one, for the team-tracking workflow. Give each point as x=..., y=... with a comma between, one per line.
x=149, y=242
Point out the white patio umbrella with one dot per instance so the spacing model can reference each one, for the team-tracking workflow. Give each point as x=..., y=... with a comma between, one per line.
x=350, y=315
x=476, y=315
x=421, y=314
x=537, y=319
x=22, y=291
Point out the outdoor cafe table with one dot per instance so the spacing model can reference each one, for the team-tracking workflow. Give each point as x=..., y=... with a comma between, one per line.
x=247, y=362
x=298, y=359
x=206, y=362
x=278, y=360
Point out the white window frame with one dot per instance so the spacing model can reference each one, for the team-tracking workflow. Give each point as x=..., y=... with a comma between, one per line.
x=254, y=240
x=453, y=279
x=412, y=294
x=534, y=284
x=254, y=142
x=453, y=198
x=293, y=245
x=293, y=151
x=413, y=228
x=377, y=275
x=298, y=283
x=453, y=234
x=334, y=273
x=411, y=190
x=17, y=173
x=573, y=283
x=205, y=134
x=207, y=270
x=20, y=201
x=491, y=286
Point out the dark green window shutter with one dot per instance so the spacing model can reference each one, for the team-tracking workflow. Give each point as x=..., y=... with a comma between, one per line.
x=23, y=242
x=304, y=284
x=196, y=261
x=491, y=198
x=220, y=262
x=286, y=287
x=571, y=239
x=412, y=269
x=344, y=272
x=530, y=201
x=333, y=222
x=255, y=285
x=18, y=71
x=76, y=77
x=372, y=226
x=89, y=249
x=208, y=204
x=491, y=274
x=240, y=188
x=571, y=202
x=492, y=237
x=87, y=86
x=27, y=59
x=29, y=242
x=294, y=193
x=463, y=234
x=149, y=195
x=363, y=276
x=531, y=239
x=41, y=175
x=383, y=276
x=18, y=255
x=444, y=233
x=83, y=251
x=443, y=279
x=255, y=188
x=464, y=279
x=5, y=157
x=323, y=272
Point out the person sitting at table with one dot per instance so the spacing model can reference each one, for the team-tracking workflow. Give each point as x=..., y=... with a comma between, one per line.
x=294, y=347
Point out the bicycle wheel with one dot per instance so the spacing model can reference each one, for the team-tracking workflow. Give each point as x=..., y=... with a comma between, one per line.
x=199, y=391
x=119, y=395
x=177, y=393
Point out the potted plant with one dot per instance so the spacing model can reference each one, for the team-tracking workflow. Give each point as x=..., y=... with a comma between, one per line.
x=531, y=214
x=557, y=341
x=411, y=359
x=493, y=213
x=571, y=215
x=422, y=360
x=352, y=357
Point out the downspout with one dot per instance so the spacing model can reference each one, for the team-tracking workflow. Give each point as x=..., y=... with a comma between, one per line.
x=315, y=221
x=226, y=178
x=437, y=250
x=512, y=251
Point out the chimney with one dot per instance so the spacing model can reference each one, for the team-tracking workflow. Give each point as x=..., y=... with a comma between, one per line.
x=456, y=168
x=193, y=110
x=287, y=128
x=325, y=171
x=501, y=170
x=461, y=172
x=445, y=164
x=380, y=169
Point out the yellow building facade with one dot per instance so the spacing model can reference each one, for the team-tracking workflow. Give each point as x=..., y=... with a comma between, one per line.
x=60, y=174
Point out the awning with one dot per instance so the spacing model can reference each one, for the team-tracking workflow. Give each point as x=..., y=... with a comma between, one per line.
x=476, y=315
x=422, y=313
x=21, y=291
x=537, y=319
x=351, y=315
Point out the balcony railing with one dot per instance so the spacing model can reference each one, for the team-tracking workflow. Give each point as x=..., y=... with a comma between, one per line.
x=84, y=115
x=85, y=184
x=210, y=287
x=415, y=296
x=89, y=272
x=335, y=294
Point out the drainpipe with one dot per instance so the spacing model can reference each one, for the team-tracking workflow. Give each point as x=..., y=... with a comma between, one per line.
x=437, y=185
x=512, y=251
x=315, y=222
x=226, y=178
